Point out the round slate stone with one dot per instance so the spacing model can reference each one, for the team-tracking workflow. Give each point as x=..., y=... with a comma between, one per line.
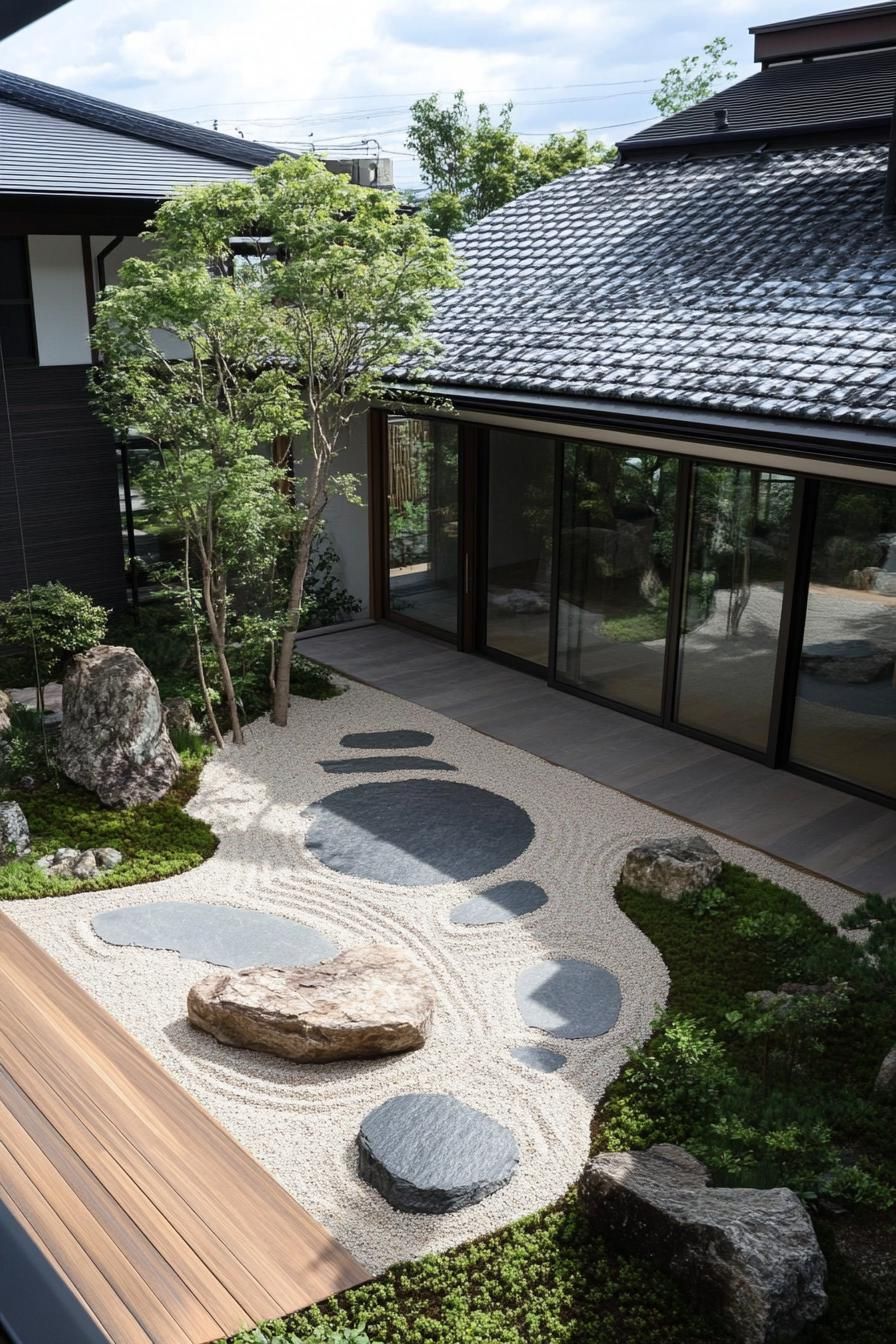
x=389, y=740
x=417, y=832
x=379, y=765
x=568, y=998
x=499, y=904
x=224, y=935
x=539, y=1058
x=426, y=1152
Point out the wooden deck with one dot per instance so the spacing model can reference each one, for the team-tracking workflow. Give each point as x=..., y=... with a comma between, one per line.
x=164, y=1229
x=824, y=830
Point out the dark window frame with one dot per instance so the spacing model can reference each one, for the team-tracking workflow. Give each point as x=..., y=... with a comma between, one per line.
x=27, y=303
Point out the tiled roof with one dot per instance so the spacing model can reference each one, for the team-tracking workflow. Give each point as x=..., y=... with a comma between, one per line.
x=794, y=100
x=762, y=284
x=148, y=126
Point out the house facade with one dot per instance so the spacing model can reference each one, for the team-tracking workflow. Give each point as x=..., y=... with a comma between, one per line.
x=668, y=480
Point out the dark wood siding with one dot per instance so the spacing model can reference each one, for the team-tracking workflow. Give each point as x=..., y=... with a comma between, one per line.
x=68, y=486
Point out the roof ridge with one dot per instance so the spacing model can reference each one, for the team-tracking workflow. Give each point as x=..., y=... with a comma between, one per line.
x=117, y=117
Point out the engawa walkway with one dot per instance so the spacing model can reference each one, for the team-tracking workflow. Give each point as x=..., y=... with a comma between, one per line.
x=818, y=828
x=161, y=1225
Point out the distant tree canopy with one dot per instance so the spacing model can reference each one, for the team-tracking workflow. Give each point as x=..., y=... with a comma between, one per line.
x=694, y=78
x=473, y=165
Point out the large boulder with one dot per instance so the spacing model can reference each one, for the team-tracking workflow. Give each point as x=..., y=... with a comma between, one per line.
x=368, y=1001
x=113, y=738
x=885, y=1082
x=15, y=838
x=671, y=867
x=751, y=1256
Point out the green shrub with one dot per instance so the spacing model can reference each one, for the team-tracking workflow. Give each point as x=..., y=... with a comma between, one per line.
x=877, y=915
x=54, y=623
x=26, y=749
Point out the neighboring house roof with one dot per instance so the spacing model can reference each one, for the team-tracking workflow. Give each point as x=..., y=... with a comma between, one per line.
x=14, y=17
x=761, y=284
x=54, y=141
x=795, y=100
x=42, y=155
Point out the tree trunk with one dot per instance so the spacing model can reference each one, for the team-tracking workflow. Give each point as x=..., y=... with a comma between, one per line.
x=214, y=626
x=283, y=675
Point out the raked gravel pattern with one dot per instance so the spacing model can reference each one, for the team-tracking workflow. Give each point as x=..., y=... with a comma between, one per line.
x=301, y=1121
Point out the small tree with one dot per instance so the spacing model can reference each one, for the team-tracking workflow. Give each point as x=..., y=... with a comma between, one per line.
x=52, y=623
x=288, y=298
x=474, y=165
x=694, y=78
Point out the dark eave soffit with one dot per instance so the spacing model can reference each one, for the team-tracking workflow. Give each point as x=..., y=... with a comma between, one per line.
x=17, y=14
x=852, y=444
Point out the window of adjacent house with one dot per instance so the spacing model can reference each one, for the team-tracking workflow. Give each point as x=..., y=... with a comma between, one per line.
x=16, y=318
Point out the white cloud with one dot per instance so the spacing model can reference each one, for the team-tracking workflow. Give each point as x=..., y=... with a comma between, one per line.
x=281, y=69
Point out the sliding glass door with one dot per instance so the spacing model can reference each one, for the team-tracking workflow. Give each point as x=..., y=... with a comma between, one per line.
x=739, y=543
x=617, y=518
x=519, y=543
x=844, y=721
x=423, y=521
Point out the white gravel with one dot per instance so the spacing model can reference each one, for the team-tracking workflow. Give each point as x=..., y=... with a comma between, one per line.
x=301, y=1121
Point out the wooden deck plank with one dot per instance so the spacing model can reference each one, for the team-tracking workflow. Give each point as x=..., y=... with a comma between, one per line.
x=778, y=812
x=158, y=1220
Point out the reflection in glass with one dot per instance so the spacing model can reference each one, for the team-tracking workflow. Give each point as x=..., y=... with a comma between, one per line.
x=740, y=538
x=423, y=520
x=616, y=543
x=845, y=719
x=520, y=521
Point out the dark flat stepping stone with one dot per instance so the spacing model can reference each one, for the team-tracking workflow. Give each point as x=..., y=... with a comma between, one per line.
x=539, y=1058
x=394, y=737
x=426, y=1152
x=417, y=832
x=223, y=935
x=568, y=998
x=377, y=765
x=500, y=904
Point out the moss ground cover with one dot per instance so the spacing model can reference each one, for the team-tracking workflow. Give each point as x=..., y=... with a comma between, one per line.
x=757, y=1101
x=156, y=840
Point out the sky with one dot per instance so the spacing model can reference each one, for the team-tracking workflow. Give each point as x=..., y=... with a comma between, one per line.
x=333, y=75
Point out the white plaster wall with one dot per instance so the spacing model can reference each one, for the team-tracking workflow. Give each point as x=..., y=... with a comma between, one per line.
x=60, y=299
x=135, y=247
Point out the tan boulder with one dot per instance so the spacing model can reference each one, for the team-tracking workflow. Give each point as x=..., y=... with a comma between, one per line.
x=367, y=1002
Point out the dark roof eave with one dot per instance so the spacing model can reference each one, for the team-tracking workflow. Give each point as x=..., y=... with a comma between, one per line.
x=858, y=128
x=859, y=445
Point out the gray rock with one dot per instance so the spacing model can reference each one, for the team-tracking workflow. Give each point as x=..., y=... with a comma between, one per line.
x=178, y=715
x=380, y=765
x=416, y=832
x=86, y=865
x=671, y=867
x=426, y=1152
x=885, y=1082
x=538, y=1058
x=15, y=837
x=113, y=739
x=367, y=1002
x=568, y=998
x=387, y=740
x=749, y=1255
x=5, y=702
x=854, y=661
x=224, y=935
x=107, y=857
x=499, y=904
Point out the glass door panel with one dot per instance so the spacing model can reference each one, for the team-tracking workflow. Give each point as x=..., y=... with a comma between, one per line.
x=423, y=521
x=740, y=537
x=520, y=534
x=616, y=544
x=845, y=716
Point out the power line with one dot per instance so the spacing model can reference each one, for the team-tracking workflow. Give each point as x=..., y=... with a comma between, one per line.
x=355, y=97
